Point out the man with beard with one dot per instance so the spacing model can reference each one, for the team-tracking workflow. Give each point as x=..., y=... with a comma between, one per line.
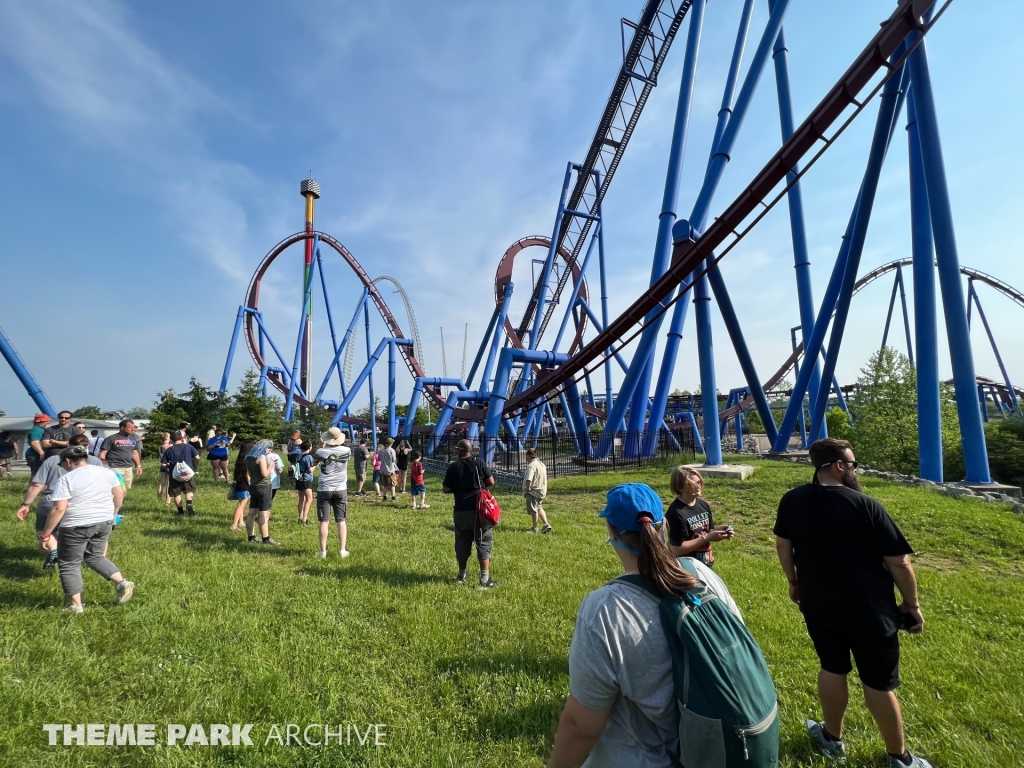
x=842, y=555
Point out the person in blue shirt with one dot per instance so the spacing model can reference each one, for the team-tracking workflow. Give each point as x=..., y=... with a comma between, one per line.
x=217, y=452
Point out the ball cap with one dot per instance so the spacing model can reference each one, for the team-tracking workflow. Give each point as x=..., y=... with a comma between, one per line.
x=333, y=436
x=626, y=504
x=41, y=418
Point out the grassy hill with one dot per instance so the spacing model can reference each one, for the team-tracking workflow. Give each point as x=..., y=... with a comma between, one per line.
x=221, y=631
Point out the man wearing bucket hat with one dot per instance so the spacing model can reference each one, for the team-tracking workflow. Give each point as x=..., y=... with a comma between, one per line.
x=622, y=707
x=332, y=488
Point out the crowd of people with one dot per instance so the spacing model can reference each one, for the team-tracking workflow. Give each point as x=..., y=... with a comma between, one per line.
x=842, y=554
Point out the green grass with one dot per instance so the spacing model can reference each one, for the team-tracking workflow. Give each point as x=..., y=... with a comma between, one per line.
x=224, y=632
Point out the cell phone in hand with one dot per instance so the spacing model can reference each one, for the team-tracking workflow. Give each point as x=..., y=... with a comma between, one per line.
x=907, y=621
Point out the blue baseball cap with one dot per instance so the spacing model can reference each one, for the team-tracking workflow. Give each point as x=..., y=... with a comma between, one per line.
x=626, y=502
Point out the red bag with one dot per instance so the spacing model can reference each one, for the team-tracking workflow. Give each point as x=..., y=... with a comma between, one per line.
x=487, y=510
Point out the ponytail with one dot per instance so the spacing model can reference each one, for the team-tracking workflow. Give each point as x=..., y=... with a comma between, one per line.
x=657, y=566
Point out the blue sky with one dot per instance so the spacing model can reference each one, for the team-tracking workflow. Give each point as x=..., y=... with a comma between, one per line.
x=151, y=155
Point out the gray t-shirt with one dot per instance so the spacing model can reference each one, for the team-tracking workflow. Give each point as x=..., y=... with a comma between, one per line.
x=48, y=474
x=61, y=434
x=388, y=461
x=619, y=658
x=119, y=448
x=333, y=463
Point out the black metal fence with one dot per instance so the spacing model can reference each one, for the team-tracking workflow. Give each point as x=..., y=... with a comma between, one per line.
x=563, y=454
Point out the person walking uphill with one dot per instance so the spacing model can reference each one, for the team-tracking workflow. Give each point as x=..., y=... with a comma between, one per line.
x=842, y=555
x=179, y=453
x=120, y=452
x=465, y=477
x=332, y=488
x=84, y=504
x=535, y=489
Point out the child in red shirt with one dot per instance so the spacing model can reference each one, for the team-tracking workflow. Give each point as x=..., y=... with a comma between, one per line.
x=419, y=488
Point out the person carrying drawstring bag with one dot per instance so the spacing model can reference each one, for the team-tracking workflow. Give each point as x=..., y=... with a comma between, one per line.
x=627, y=661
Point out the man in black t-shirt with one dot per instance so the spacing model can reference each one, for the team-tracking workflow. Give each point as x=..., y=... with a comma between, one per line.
x=465, y=477
x=55, y=439
x=842, y=555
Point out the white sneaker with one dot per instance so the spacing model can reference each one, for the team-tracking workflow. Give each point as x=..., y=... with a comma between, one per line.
x=424, y=506
x=124, y=591
x=74, y=608
x=343, y=552
x=322, y=555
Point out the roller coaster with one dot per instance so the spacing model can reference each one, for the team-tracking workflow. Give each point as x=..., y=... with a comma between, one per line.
x=524, y=372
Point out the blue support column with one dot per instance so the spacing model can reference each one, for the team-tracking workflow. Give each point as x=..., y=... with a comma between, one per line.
x=392, y=423
x=484, y=345
x=995, y=350
x=794, y=197
x=27, y=380
x=708, y=383
x=545, y=274
x=841, y=269
x=373, y=405
x=604, y=315
x=335, y=363
x=499, y=332
x=929, y=410
x=639, y=376
x=971, y=430
x=227, y=363
x=906, y=316
x=879, y=146
x=306, y=294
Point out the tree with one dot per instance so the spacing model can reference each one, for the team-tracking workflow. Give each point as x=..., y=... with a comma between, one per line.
x=138, y=412
x=885, y=415
x=885, y=427
x=838, y=424
x=251, y=416
x=315, y=421
x=88, y=412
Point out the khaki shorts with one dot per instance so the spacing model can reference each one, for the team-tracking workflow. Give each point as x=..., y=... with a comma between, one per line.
x=127, y=474
x=388, y=481
x=533, y=504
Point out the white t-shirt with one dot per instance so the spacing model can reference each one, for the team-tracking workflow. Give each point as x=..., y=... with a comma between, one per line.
x=333, y=461
x=619, y=658
x=88, y=491
x=277, y=467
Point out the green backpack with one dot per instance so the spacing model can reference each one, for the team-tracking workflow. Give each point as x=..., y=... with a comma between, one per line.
x=728, y=711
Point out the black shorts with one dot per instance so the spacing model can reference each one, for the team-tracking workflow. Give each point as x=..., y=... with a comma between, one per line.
x=303, y=485
x=211, y=457
x=469, y=533
x=178, y=487
x=328, y=501
x=261, y=497
x=877, y=658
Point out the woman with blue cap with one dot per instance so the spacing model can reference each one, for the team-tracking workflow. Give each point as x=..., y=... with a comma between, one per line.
x=622, y=706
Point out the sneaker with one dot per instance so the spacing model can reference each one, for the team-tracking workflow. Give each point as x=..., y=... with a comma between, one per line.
x=915, y=762
x=460, y=580
x=832, y=750
x=254, y=539
x=268, y=542
x=532, y=530
x=343, y=552
x=546, y=529
x=236, y=528
x=489, y=584
x=322, y=555
x=74, y=608
x=124, y=591
x=191, y=513
x=424, y=506
x=51, y=560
